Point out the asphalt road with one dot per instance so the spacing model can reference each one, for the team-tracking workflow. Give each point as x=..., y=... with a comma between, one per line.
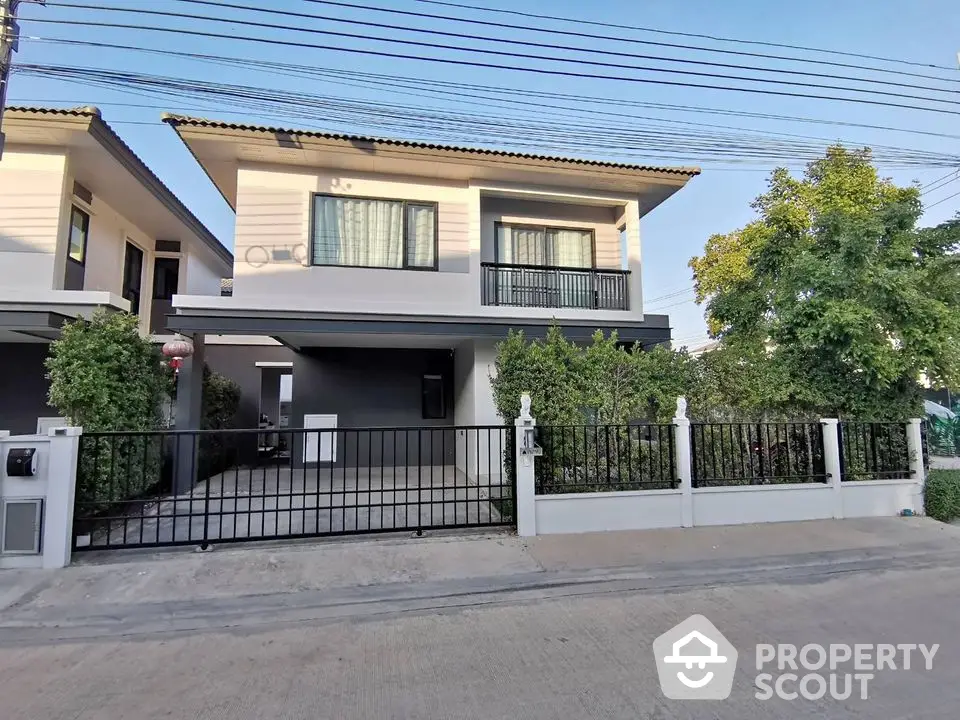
x=579, y=648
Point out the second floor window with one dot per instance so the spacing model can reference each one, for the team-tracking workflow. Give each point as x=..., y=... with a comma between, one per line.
x=364, y=232
x=79, y=227
x=544, y=246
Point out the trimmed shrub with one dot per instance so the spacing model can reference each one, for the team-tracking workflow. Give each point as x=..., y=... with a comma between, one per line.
x=941, y=495
x=105, y=376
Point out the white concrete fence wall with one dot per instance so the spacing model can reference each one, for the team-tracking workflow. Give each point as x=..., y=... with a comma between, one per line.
x=53, y=484
x=687, y=506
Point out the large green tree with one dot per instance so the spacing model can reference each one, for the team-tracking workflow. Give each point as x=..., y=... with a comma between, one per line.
x=834, y=294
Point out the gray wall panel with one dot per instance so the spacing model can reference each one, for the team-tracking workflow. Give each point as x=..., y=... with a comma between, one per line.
x=23, y=387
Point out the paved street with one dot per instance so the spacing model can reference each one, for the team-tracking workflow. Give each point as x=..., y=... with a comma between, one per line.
x=483, y=627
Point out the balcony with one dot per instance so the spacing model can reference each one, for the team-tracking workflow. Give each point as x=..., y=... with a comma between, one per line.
x=541, y=286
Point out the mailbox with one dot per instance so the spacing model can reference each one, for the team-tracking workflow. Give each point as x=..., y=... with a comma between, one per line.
x=21, y=462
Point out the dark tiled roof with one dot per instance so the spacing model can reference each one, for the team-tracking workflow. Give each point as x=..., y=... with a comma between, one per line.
x=93, y=112
x=175, y=120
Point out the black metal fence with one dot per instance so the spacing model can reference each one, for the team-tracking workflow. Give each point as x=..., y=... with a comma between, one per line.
x=142, y=489
x=874, y=450
x=756, y=453
x=554, y=287
x=598, y=458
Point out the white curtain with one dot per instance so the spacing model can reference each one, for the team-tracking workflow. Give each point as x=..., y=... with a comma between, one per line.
x=543, y=246
x=421, y=231
x=570, y=248
x=521, y=246
x=532, y=246
x=350, y=231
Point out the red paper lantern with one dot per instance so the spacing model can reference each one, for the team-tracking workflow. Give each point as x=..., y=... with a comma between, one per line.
x=177, y=349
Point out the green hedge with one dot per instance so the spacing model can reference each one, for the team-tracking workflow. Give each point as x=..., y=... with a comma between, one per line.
x=941, y=496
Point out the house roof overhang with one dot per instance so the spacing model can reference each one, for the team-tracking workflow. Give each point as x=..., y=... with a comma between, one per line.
x=222, y=147
x=103, y=163
x=298, y=329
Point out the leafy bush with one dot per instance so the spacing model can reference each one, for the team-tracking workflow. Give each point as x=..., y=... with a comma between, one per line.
x=221, y=401
x=601, y=384
x=943, y=435
x=941, y=495
x=104, y=376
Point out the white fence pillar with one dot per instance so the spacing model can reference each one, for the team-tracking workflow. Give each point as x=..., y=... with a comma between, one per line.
x=526, y=490
x=831, y=461
x=61, y=493
x=917, y=472
x=681, y=432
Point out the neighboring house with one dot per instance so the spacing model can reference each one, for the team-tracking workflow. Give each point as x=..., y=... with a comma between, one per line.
x=84, y=224
x=702, y=348
x=389, y=270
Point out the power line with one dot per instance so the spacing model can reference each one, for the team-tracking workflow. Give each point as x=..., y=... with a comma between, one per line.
x=676, y=304
x=473, y=63
x=948, y=197
x=392, y=82
x=934, y=182
x=550, y=46
x=503, y=128
x=943, y=184
x=620, y=28
x=668, y=296
x=466, y=36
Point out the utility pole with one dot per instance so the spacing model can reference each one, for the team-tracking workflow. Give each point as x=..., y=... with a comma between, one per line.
x=9, y=37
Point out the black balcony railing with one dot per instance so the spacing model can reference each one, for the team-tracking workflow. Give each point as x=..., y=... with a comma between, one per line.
x=554, y=287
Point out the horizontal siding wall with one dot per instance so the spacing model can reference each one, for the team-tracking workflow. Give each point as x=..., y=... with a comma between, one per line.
x=273, y=224
x=602, y=220
x=31, y=186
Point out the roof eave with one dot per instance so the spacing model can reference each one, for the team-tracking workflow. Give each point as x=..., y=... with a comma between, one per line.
x=89, y=119
x=680, y=175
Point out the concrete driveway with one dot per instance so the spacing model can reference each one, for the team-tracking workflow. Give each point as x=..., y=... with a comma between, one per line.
x=283, y=502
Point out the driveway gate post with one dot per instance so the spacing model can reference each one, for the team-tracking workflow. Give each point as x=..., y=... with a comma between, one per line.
x=915, y=452
x=681, y=429
x=831, y=462
x=524, y=464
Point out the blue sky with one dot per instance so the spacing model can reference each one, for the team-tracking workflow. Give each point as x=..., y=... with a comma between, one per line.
x=718, y=201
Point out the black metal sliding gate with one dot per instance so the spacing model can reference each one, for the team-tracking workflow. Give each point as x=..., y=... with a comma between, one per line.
x=149, y=489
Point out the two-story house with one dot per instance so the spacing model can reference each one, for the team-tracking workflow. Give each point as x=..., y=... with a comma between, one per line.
x=84, y=223
x=391, y=269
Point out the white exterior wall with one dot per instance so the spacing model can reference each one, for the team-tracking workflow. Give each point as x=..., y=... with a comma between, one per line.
x=272, y=269
x=197, y=275
x=107, y=241
x=602, y=512
x=872, y=498
x=737, y=505
x=474, y=363
x=31, y=192
x=744, y=504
